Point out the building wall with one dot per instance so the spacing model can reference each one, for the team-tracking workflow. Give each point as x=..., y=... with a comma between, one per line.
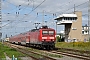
x=67, y=32
x=85, y=30
x=75, y=30
x=78, y=25
x=85, y=38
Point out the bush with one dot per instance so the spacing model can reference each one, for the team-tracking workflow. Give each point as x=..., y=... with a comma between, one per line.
x=62, y=40
x=58, y=39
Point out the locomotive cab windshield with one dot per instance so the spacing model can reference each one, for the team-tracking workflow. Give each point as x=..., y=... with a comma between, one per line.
x=48, y=32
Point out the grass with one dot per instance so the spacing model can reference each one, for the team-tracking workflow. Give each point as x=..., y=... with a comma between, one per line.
x=9, y=52
x=76, y=45
x=1, y=51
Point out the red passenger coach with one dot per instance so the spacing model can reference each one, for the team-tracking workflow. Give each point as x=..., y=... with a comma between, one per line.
x=43, y=37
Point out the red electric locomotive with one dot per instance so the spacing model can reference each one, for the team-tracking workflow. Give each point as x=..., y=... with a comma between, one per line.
x=43, y=37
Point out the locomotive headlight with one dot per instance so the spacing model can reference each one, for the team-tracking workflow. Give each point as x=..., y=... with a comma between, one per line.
x=52, y=40
x=42, y=40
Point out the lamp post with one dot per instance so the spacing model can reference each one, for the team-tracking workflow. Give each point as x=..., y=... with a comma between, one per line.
x=56, y=27
x=0, y=22
x=56, y=31
x=89, y=20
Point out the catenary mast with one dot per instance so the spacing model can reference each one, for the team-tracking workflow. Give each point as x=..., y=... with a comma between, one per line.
x=89, y=18
x=0, y=21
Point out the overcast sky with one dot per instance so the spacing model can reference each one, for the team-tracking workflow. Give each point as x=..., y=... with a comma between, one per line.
x=20, y=15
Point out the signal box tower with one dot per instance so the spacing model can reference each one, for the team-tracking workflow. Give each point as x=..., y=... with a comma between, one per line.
x=73, y=26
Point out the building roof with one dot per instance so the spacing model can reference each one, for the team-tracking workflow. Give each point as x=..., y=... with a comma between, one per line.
x=85, y=25
x=65, y=15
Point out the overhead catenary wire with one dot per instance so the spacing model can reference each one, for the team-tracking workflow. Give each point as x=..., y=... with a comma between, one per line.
x=34, y=9
x=19, y=6
x=17, y=12
x=30, y=14
x=63, y=11
x=27, y=14
x=76, y=6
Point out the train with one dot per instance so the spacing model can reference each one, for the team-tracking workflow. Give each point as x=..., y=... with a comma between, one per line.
x=43, y=37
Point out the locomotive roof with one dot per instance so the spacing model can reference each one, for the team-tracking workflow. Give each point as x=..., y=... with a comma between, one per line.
x=33, y=30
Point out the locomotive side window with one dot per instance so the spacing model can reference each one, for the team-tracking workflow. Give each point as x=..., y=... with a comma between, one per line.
x=51, y=32
x=45, y=32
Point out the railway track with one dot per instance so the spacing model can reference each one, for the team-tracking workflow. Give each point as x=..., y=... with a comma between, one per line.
x=30, y=53
x=72, y=55
x=85, y=55
x=80, y=53
x=66, y=52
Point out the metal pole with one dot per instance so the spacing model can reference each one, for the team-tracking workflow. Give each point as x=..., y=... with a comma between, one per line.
x=89, y=20
x=56, y=31
x=0, y=22
x=74, y=8
x=33, y=4
x=43, y=18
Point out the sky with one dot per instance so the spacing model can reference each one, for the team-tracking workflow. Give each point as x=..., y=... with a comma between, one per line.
x=20, y=15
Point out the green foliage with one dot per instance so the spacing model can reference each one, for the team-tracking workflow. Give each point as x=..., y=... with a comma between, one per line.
x=58, y=39
x=89, y=39
x=1, y=51
x=9, y=52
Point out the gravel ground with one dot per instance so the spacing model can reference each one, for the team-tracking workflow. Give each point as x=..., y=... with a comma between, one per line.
x=26, y=58
x=68, y=58
x=63, y=58
x=7, y=58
